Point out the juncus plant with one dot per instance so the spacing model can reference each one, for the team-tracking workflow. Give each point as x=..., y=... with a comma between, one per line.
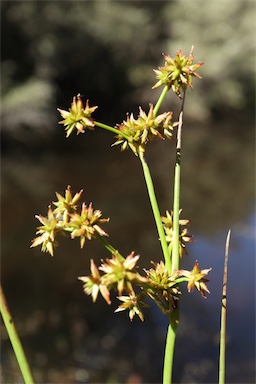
x=121, y=274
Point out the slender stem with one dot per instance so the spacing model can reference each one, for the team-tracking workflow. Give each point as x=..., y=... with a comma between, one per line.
x=111, y=129
x=161, y=99
x=156, y=213
x=176, y=197
x=169, y=347
x=109, y=247
x=14, y=338
x=174, y=315
x=223, y=316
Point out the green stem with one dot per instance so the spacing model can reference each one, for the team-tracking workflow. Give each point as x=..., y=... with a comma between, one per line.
x=111, y=129
x=161, y=99
x=109, y=247
x=174, y=316
x=156, y=213
x=14, y=338
x=223, y=316
x=176, y=196
x=170, y=346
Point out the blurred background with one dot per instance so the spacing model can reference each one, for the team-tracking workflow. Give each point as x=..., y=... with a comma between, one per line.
x=106, y=50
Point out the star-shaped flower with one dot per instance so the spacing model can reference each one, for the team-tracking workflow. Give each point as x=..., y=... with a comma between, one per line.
x=93, y=284
x=86, y=224
x=47, y=232
x=144, y=129
x=66, y=204
x=196, y=278
x=178, y=72
x=77, y=117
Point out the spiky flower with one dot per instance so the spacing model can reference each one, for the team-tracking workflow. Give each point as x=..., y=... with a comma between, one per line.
x=144, y=129
x=196, y=278
x=178, y=72
x=65, y=218
x=163, y=287
x=120, y=272
x=46, y=232
x=93, y=284
x=77, y=117
x=133, y=303
x=184, y=236
x=86, y=225
x=66, y=204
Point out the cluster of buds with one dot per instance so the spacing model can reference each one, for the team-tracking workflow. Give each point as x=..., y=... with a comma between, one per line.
x=178, y=72
x=77, y=117
x=136, y=133
x=66, y=218
x=184, y=236
x=121, y=275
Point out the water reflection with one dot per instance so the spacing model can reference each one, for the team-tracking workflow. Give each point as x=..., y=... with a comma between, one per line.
x=68, y=339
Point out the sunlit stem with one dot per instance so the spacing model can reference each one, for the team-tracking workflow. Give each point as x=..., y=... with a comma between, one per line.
x=176, y=195
x=15, y=341
x=222, y=357
x=170, y=347
x=174, y=315
x=111, y=129
x=155, y=209
x=160, y=100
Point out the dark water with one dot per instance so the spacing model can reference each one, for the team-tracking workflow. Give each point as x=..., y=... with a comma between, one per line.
x=68, y=339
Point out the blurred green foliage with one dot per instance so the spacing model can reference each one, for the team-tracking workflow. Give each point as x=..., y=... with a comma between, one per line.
x=106, y=50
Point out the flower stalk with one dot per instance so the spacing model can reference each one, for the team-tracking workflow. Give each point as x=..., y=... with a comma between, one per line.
x=160, y=99
x=156, y=212
x=110, y=129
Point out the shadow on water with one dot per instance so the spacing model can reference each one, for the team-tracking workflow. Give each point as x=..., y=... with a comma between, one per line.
x=67, y=339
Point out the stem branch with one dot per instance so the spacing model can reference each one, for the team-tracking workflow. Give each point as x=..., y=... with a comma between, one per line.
x=156, y=213
x=111, y=129
x=109, y=247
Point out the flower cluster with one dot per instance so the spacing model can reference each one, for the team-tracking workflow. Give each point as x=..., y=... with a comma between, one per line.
x=178, y=72
x=77, y=117
x=163, y=287
x=121, y=275
x=144, y=129
x=196, y=278
x=184, y=236
x=66, y=218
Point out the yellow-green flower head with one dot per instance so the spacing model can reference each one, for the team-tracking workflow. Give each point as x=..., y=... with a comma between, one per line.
x=196, y=278
x=47, y=232
x=163, y=287
x=132, y=303
x=144, y=129
x=77, y=117
x=184, y=236
x=93, y=284
x=86, y=224
x=121, y=272
x=178, y=72
x=66, y=204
